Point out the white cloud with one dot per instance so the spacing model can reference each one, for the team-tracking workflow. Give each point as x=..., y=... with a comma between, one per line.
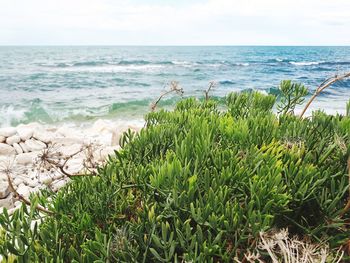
x=204, y=22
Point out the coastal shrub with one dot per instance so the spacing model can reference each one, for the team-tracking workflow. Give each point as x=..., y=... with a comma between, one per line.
x=198, y=184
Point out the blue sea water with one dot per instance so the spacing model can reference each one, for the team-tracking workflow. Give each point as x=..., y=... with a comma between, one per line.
x=62, y=84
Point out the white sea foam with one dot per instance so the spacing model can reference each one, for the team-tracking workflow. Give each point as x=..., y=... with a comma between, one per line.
x=306, y=63
x=115, y=68
x=8, y=115
x=242, y=64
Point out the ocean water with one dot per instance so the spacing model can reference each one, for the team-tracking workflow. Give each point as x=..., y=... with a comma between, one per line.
x=82, y=84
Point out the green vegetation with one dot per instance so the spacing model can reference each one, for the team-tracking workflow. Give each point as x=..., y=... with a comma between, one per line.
x=198, y=184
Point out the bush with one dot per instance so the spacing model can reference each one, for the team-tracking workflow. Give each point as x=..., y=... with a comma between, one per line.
x=198, y=184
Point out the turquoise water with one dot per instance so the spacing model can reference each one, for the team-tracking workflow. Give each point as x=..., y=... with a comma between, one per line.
x=55, y=84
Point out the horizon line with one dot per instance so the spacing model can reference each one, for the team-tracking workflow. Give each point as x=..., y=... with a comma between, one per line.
x=168, y=45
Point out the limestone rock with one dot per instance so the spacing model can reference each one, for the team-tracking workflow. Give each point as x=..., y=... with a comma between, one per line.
x=13, y=139
x=25, y=133
x=7, y=202
x=4, y=190
x=24, y=147
x=58, y=185
x=7, y=132
x=6, y=149
x=2, y=139
x=67, y=141
x=17, y=148
x=23, y=190
x=43, y=136
x=47, y=179
x=17, y=181
x=34, y=145
x=26, y=158
x=70, y=150
x=33, y=182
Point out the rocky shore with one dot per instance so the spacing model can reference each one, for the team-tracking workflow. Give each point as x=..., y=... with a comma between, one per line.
x=21, y=147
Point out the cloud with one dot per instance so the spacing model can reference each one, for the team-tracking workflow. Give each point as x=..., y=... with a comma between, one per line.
x=168, y=22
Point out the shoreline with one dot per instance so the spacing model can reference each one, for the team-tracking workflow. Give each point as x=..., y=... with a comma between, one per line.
x=22, y=149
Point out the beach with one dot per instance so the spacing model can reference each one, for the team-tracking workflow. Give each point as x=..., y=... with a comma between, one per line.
x=22, y=147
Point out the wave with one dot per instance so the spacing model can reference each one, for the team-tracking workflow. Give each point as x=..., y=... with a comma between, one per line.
x=140, y=105
x=279, y=60
x=306, y=63
x=311, y=63
x=226, y=82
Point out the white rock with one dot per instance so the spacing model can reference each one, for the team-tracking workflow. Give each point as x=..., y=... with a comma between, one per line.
x=7, y=202
x=74, y=166
x=25, y=133
x=6, y=149
x=47, y=179
x=58, y=185
x=101, y=126
x=4, y=190
x=26, y=158
x=23, y=190
x=13, y=139
x=24, y=147
x=65, y=131
x=70, y=150
x=17, y=181
x=67, y=141
x=34, y=145
x=17, y=148
x=7, y=132
x=43, y=136
x=2, y=139
x=33, y=182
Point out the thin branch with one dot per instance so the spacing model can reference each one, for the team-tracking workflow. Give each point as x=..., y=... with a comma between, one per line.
x=23, y=199
x=328, y=82
x=174, y=87
x=212, y=85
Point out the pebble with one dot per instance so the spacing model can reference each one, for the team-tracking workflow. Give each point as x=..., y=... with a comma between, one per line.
x=58, y=185
x=47, y=179
x=6, y=149
x=7, y=202
x=7, y=132
x=24, y=147
x=43, y=136
x=4, y=190
x=13, y=139
x=17, y=181
x=23, y=190
x=67, y=141
x=34, y=145
x=17, y=148
x=26, y=158
x=25, y=133
x=29, y=140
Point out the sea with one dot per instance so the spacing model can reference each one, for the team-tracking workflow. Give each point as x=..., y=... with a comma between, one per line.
x=81, y=84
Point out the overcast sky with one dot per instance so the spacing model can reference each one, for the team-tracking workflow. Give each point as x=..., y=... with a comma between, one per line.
x=174, y=22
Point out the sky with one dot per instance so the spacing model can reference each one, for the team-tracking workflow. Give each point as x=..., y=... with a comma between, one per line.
x=174, y=22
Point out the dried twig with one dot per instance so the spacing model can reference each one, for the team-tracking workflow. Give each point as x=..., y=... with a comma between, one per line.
x=173, y=87
x=328, y=82
x=7, y=170
x=281, y=248
x=212, y=84
x=51, y=158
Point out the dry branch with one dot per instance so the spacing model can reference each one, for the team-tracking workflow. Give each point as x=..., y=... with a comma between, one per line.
x=328, y=82
x=173, y=87
x=212, y=84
